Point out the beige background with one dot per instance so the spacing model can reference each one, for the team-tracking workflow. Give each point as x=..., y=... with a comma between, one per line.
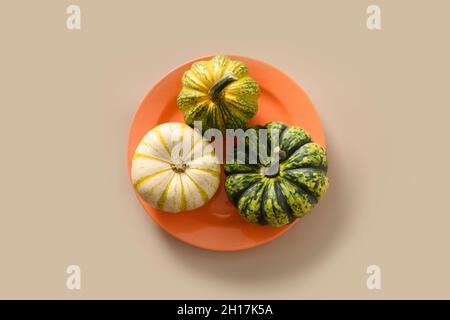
x=68, y=97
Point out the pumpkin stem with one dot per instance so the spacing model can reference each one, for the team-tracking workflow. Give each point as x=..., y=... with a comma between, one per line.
x=216, y=89
x=281, y=155
x=273, y=169
x=179, y=168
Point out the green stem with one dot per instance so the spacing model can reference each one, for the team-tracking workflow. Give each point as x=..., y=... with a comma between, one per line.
x=216, y=89
x=273, y=170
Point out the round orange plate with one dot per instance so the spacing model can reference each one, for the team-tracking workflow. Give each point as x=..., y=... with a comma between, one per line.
x=217, y=225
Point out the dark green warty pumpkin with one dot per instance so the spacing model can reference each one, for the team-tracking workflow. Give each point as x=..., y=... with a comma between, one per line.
x=276, y=197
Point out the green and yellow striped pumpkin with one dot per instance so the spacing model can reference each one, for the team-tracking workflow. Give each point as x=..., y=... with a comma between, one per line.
x=219, y=93
x=174, y=168
x=276, y=195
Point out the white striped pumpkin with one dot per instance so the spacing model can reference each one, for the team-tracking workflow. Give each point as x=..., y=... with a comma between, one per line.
x=174, y=168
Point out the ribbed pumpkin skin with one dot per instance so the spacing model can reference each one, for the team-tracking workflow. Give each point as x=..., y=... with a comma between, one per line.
x=174, y=168
x=226, y=106
x=279, y=200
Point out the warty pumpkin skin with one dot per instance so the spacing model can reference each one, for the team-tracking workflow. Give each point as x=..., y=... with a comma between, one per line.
x=220, y=93
x=278, y=198
x=174, y=168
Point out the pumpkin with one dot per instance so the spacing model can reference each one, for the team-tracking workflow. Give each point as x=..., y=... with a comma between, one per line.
x=174, y=168
x=219, y=93
x=286, y=180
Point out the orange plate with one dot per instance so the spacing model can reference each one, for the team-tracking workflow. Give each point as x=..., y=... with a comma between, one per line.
x=217, y=225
